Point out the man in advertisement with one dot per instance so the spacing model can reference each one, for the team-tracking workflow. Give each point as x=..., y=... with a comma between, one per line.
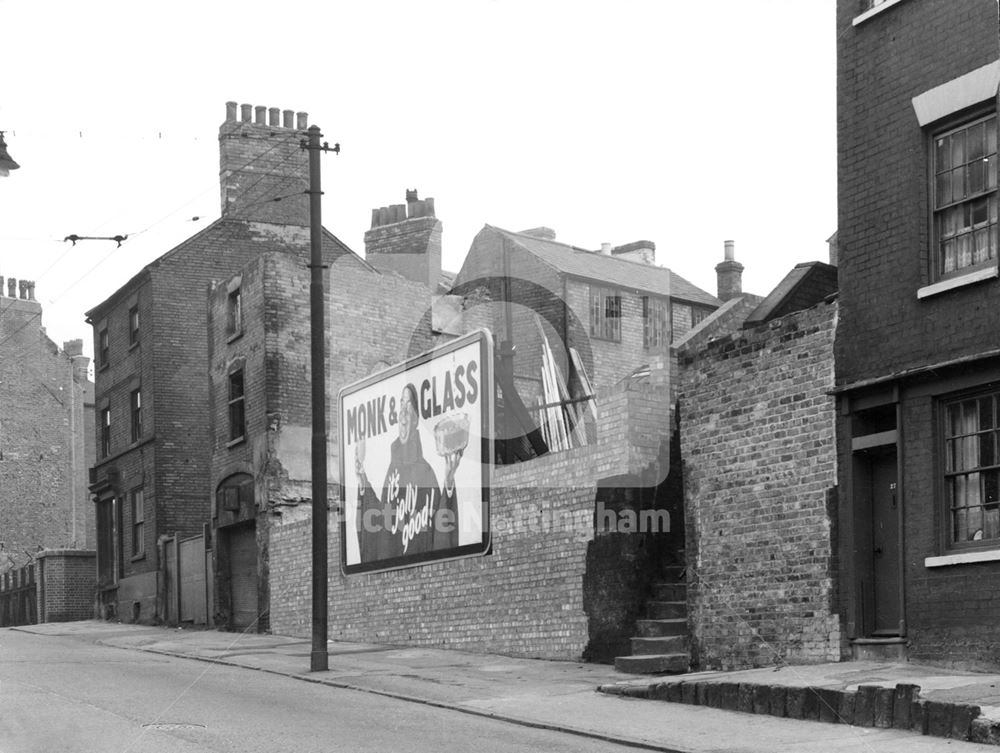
x=413, y=514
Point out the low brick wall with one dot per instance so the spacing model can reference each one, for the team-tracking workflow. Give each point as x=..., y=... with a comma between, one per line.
x=757, y=438
x=526, y=597
x=67, y=583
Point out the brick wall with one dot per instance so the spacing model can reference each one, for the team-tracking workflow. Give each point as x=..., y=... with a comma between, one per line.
x=757, y=438
x=65, y=584
x=43, y=441
x=883, y=212
x=525, y=598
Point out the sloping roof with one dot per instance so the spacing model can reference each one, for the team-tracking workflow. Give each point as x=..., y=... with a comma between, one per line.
x=624, y=273
x=233, y=233
x=805, y=286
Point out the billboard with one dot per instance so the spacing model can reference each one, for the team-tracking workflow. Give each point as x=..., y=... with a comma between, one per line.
x=415, y=456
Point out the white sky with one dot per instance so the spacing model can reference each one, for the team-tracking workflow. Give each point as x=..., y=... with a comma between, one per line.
x=684, y=123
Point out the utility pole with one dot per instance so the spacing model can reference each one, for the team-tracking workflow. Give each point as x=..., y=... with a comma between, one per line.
x=319, y=660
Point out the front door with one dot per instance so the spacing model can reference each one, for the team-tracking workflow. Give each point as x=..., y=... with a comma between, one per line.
x=885, y=545
x=243, y=575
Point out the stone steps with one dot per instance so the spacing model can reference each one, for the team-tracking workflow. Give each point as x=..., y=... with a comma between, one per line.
x=662, y=645
x=648, y=664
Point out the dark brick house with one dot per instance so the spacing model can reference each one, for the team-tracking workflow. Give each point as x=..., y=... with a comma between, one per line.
x=152, y=476
x=917, y=346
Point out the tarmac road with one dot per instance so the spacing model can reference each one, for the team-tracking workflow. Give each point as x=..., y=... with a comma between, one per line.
x=59, y=693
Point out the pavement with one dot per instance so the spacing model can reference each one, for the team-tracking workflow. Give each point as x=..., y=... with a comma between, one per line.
x=562, y=695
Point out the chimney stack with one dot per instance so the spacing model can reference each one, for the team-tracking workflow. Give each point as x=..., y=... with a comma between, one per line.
x=643, y=252
x=260, y=161
x=730, y=274
x=406, y=239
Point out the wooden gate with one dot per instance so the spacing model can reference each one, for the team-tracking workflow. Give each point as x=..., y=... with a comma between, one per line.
x=188, y=580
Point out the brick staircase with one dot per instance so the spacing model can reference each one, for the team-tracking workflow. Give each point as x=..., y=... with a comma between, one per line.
x=662, y=644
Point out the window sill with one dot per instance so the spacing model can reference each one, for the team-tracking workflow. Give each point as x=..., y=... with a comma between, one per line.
x=988, y=555
x=874, y=11
x=234, y=336
x=236, y=442
x=134, y=345
x=987, y=273
x=138, y=557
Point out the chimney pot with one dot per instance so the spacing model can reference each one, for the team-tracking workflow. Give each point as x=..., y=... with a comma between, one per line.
x=31, y=290
x=606, y=249
x=246, y=113
x=729, y=274
x=1, y=285
x=261, y=113
x=230, y=112
x=303, y=118
x=12, y=287
x=273, y=117
x=289, y=118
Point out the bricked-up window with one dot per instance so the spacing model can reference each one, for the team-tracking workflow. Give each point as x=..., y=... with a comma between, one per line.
x=234, y=313
x=103, y=348
x=133, y=325
x=655, y=331
x=965, y=197
x=135, y=411
x=237, y=412
x=236, y=493
x=138, y=523
x=698, y=315
x=972, y=468
x=105, y=432
x=605, y=314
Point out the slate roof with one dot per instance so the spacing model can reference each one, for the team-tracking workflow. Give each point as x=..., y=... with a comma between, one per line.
x=805, y=286
x=624, y=273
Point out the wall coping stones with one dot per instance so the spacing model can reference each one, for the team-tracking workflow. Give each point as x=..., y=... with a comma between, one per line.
x=898, y=707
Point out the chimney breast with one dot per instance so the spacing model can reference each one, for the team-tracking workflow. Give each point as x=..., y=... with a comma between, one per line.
x=729, y=273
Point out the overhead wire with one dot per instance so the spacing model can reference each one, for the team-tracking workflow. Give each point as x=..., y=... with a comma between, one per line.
x=229, y=236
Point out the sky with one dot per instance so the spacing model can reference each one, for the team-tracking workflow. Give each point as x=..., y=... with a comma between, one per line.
x=684, y=123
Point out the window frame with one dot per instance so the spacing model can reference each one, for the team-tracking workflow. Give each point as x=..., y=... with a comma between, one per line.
x=135, y=414
x=137, y=512
x=974, y=271
x=103, y=348
x=236, y=406
x=234, y=313
x=105, y=431
x=133, y=326
x=946, y=471
x=605, y=319
x=649, y=333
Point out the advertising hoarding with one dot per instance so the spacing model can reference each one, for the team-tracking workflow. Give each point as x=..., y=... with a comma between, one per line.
x=415, y=455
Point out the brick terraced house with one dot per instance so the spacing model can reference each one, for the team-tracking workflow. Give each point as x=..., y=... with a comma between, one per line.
x=152, y=477
x=918, y=343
